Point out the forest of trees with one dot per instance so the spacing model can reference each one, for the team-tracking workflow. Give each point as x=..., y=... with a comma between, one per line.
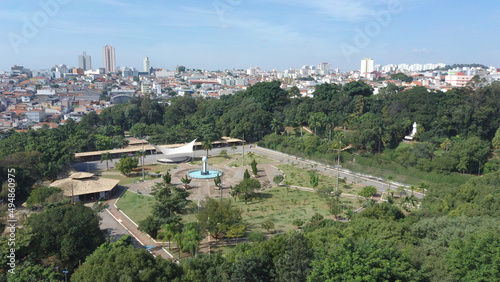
x=455, y=236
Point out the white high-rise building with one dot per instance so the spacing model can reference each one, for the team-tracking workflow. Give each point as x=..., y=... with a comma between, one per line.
x=108, y=57
x=147, y=66
x=84, y=62
x=366, y=67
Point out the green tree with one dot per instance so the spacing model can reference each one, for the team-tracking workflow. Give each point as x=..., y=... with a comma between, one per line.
x=223, y=153
x=103, y=142
x=367, y=260
x=446, y=145
x=256, y=237
x=313, y=179
x=191, y=238
x=316, y=120
x=169, y=231
x=246, y=174
x=106, y=157
x=276, y=125
x=186, y=180
x=253, y=164
x=247, y=187
x=277, y=179
x=496, y=139
x=27, y=271
x=367, y=192
x=126, y=164
x=69, y=233
x=141, y=154
x=167, y=178
x=41, y=196
x=217, y=217
x=295, y=263
x=268, y=224
x=218, y=182
x=170, y=203
x=207, y=145
x=236, y=230
x=251, y=268
x=121, y=261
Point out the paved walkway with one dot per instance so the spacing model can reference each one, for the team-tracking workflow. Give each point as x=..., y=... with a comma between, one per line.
x=145, y=240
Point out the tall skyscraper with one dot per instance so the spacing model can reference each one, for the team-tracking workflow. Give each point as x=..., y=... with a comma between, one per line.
x=366, y=66
x=108, y=57
x=84, y=62
x=147, y=66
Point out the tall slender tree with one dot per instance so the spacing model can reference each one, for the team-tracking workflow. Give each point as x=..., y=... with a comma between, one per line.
x=106, y=157
x=207, y=145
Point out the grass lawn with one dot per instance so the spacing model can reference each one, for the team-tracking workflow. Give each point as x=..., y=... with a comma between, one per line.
x=260, y=159
x=221, y=249
x=300, y=177
x=135, y=206
x=283, y=207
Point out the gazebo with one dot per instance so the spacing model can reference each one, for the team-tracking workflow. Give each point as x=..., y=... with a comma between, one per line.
x=84, y=186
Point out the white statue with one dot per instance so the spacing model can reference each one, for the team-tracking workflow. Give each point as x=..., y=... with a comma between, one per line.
x=414, y=130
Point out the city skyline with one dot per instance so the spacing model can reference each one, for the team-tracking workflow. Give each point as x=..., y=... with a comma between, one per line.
x=226, y=34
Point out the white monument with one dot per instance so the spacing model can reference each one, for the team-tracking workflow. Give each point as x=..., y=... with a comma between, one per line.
x=204, y=170
x=413, y=132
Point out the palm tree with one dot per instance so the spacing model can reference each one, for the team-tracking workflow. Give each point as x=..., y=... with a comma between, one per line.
x=329, y=121
x=338, y=144
x=275, y=125
x=389, y=180
x=207, y=145
x=186, y=181
x=401, y=191
x=169, y=233
x=178, y=241
x=106, y=157
x=314, y=122
x=141, y=154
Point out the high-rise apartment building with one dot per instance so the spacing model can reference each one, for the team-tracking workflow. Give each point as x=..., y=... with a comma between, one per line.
x=84, y=62
x=108, y=57
x=366, y=66
x=147, y=66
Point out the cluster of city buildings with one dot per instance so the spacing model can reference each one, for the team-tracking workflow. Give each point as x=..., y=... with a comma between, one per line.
x=32, y=98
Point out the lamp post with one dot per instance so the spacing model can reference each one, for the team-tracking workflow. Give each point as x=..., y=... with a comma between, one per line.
x=65, y=275
x=243, y=156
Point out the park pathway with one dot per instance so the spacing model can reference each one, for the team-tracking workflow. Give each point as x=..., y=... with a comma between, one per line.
x=149, y=243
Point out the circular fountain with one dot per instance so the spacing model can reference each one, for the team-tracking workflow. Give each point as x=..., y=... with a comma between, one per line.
x=204, y=173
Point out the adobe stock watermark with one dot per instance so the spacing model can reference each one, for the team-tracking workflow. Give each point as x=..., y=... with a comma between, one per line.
x=11, y=221
x=222, y=7
x=373, y=28
x=31, y=25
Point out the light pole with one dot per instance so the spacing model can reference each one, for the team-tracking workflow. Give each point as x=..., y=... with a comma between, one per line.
x=243, y=157
x=65, y=275
x=143, y=153
x=338, y=166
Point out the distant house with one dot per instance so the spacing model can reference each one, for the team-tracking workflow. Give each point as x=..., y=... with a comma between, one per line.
x=36, y=115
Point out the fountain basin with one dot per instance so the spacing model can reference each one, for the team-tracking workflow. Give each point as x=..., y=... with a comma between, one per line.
x=199, y=174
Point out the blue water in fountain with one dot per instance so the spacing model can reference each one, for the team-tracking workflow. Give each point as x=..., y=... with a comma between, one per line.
x=211, y=174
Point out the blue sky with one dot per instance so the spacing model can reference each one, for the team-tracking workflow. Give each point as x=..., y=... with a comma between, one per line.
x=226, y=34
